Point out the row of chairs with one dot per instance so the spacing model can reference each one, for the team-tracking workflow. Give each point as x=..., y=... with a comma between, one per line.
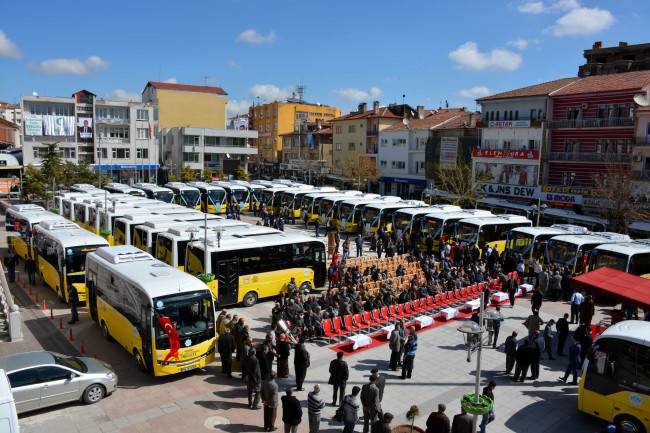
x=371, y=321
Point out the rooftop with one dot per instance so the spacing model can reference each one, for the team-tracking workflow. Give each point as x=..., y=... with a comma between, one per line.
x=186, y=88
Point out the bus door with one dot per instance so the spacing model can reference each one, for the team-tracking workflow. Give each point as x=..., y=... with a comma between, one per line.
x=228, y=281
x=144, y=328
x=320, y=268
x=91, y=296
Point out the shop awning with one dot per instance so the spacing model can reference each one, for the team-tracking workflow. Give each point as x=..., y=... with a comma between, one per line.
x=614, y=284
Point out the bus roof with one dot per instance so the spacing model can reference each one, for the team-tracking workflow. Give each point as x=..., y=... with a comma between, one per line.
x=150, y=187
x=395, y=205
x=141, y=218
x=204, y=186
x=38, y=216
x=69, y=234
x=180, y=186
x=490, y=201
x=568, y=214
x=464, y=213
x=634, y=331
x=599, y=237
x=555, y=229
x=430, y=209
x=227, y=231
x=497, y=219
x=163, y=224
x=27, y=207
x=628, y=248
x=154, y=277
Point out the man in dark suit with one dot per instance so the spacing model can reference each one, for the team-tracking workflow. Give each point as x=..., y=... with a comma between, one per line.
x=438, y=422
x=291, y=412
x=562, y=328
x=301, y=363
x=574, y=361
x=462, y=423
x=85, y=131
x=380, y=381
x=270, y=401
x=226, y=346
x=371, y=404
x=339, y=374
x=250, y=367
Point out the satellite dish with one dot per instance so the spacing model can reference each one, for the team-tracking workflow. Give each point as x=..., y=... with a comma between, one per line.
x=642, y=100
x=421, y=116
x=405, y=121
x=34, y=93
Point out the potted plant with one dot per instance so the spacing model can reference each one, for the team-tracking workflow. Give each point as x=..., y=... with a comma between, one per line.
x=412, y=413
x=206, y=278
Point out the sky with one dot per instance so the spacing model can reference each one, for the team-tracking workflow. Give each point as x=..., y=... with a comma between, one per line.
x=426, y=52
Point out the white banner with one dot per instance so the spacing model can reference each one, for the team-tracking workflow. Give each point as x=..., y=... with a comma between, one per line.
x=448, y=152
x=33, y=124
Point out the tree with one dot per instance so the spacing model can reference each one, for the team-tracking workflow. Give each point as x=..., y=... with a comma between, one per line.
x=458, y=182
x=187, y=174
x=52, y=165
x=241, y=174
x=360, y=170
x=34, y=184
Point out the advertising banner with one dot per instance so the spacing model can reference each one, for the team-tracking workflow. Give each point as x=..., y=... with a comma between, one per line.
x=85, y=126
x=507, y=174
x=506, y=153
x=448, y=152
x=33, y=124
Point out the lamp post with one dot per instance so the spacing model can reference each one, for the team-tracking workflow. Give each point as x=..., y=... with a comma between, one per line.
x=473, y=336
x=219, y=231
x=539, y=209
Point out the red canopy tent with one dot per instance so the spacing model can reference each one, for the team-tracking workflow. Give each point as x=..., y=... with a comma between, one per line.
x=614, y=284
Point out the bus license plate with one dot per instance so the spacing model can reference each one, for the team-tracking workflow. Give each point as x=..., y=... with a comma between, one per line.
x=191, y=367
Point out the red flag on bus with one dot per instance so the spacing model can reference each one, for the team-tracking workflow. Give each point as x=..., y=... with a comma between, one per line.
x=174, y=342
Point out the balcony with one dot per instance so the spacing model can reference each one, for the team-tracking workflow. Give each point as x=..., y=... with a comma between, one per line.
x=642, y=141
x=589, y=157
x=591, y=123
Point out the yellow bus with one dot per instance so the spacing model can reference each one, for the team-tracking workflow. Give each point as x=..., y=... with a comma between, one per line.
x=347, y=215
x=573, y=251
x=631, y=257
x=292, y=197
x=20, y=222
x=124, y=226
x=374, y=215
x=155, y=192
x=61, y=248
x=327, y=203
x=69, y=203
x=185, y=195
x=145, y=235
x=531, y=241
x=310, y=203
x=237, y=194
x=404, y=220
x=255, y=191
x=160, y=315
x=251, y=267
x=60, y=197
x=490, y=230
x=441, y=225
x=213, y=198
x=271, y=197
x=120, y=188
x=615, y=383
x=82, y=210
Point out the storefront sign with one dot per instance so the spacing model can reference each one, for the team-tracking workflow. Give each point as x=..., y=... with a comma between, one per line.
x=594, y=202
x=562, y=198
x=511, y=190
x=567, y=190
x=506, y=153
x=448, y=152
x=510, y=124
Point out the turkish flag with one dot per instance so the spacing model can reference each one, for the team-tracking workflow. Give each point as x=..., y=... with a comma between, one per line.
x=174, y=342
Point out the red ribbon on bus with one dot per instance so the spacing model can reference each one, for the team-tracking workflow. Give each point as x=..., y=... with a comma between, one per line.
x=174, y=342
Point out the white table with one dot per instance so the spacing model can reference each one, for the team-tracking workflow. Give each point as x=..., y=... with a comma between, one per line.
x=424, y=321
x=499, y=297
x=472, y=305
x=526, y=288
x=358, y=341
x=388, y=330
x=449, y=313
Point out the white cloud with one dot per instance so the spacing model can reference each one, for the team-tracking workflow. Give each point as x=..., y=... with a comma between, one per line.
x=237, y=107
x=269, y=92
x=233, y=64
x=70, y=66
x=566, y=5
x=531, y=8
x=352, y=94
x=170, y=80
x=252, y=37
x=475, y=92
x=8, y=48
x=520, y=44
x=467, y=56
x=582, y=21
x=123, y=95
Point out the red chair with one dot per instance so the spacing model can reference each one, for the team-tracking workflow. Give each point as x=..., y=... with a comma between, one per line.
x=361, y=322
x=406, y=309
x=332, y=329
x=369, y=320
x=337, y=327
x=379, y=319
x=350, y=325
x=430, y=304
x=396, y=312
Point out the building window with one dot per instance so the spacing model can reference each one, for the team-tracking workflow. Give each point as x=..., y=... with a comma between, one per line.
x=399, y=165
x=601, y=112
x=399, y=141
x=190, y=157
x=350, y=146
x=339, y=146
x=275, y=126
x=142, y=133
x=268, y=127
x=382, y=164
x=112, y=114
x=142, y=114
x=121, y=153
x=40, y=152
x=142, y=153
x=102, y=153
x=338, y=129
x=211, y=141
x=108, y=132
x=568, y=178
x=352, y=129
x=69, y=152
x=384, y=142
x=516, y=114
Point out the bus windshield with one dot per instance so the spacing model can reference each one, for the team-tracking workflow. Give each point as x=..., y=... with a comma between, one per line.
x=466, y=232
x=191, y=198
x=191, y=314
x=75, y=258
x=266, y=197
x=307, y=201
x=610, y=259
x=520, y=242
x=370, y=215
x=561, y=252
x=401, y=220
x=216, y=197
x=240, y=195
x=433, y=227
x=345, y=211
x=165, y=196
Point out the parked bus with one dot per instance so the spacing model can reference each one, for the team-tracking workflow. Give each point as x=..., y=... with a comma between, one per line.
x=405, y=219
x=162, y=316
x=213, y=198
x=22, y=227
x=292, y=197
x=124, y=226
x=82, y=211
x=573, y=251
x=441, y=225
x=615, y=381
x=310, y=203
x=531, y=241
x=60, y=198
x=185, y=195
x=631, y=257
x=61, y=248
x=499, y=206
x=145, y=235
x=327, y=203
x=171, y=245
x=69, y=203
x=334, y=207
x=255, y=191
x=155, y=192
x=82, y=187
x=551, y=216
x=14, y=210
x=252, y=267
x=348, y=213
x=639, y=229
x=271, y=197
x=437, y=196
x=237, y=194
x=490, y=230
x=120, y=188
x=374, y=215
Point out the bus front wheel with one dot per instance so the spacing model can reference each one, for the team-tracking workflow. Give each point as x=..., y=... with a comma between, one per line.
x=305, y=287
x=250, y=299
x=629, y=424
x=139, y=360
x=105, y=333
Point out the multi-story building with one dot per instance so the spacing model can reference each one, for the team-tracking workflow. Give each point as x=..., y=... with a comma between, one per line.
x=116, y=137
x=641, y=157
x=401, y=154
x=9, y=134
x=307, y=151
x=272, y=120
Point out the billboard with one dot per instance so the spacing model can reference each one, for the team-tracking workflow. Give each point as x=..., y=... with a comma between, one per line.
x=85, y=128
x=448, y=152
x=33, y=124
x=507, y=174
x=230, y=165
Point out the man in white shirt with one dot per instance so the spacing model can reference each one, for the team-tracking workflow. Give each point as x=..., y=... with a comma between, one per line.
x=576, y=300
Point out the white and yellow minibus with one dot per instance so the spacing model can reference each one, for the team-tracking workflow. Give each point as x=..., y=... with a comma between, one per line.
x=213, y=198
x=375, y=215
x=145, y=235
x=21, y=232
x=155, y=192
x=531, y=241
x=120, y=188
x=490, y=230
x=573, y=251
x=631, y=257
x=185, y=195
x=441, y=225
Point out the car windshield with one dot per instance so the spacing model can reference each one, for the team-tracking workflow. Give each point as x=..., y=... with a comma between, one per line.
x=70, y=362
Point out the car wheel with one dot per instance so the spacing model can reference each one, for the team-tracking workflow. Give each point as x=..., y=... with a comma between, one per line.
x=93, y=394
x=629, y=424
x=250, y=299
x=139, y=360
x=105, y=333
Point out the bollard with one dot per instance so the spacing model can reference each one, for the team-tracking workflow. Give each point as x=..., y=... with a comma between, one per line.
x=82, y=349
x=24, y=285
x=71, y=337
x=30, y=292
x=36, y=299
x=51, y=313
x=60, y=323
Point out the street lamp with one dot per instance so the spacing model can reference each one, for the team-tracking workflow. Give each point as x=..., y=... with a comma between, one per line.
x=539, y=210
x=219, y=231
x=490, y=316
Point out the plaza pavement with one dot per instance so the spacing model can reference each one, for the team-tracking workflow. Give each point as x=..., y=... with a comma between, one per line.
x=205, y=400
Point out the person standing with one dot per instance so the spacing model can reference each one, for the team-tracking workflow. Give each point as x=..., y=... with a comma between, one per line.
x=462, y=423
x=371, y=404
x=410, y=348
x=283, y=350
x=574, y=361
x=226, y=346
x=300, y=363
x=383, y=425
x=537, y=342
x=533, y=323
x=250, y=367
x=350, y=406
x=395, y=346
x=562, y=328
x=548, y=338
x=511, y=351
x=524, y=358
x=359, y=243
x=314, y=406
x=10, y=264
x=269, y=394
x=438, y=422
x=536, y=299
x=380, y=381
x=496, y=325
x=576, y=301
x=316, y=227
x=488, y=391
x=30, y=269
x=339, y=374
x=587, y=311
x=291, y=412
x=73, y=298
x=512, y=290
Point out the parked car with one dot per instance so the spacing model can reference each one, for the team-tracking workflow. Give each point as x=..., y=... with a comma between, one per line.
x=43, y=379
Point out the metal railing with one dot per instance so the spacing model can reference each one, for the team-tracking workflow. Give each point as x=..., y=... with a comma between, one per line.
x=590, y=157
x=591, y=123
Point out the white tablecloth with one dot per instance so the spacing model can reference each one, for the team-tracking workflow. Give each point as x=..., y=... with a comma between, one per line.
x=449, y=313
x=526, y=288
x=358, y=341
x=499, y=297
x=472, y=305
x=387, y=330
x=424, y=321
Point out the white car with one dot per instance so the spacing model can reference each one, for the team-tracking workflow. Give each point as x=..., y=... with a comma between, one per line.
x=43, y=379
